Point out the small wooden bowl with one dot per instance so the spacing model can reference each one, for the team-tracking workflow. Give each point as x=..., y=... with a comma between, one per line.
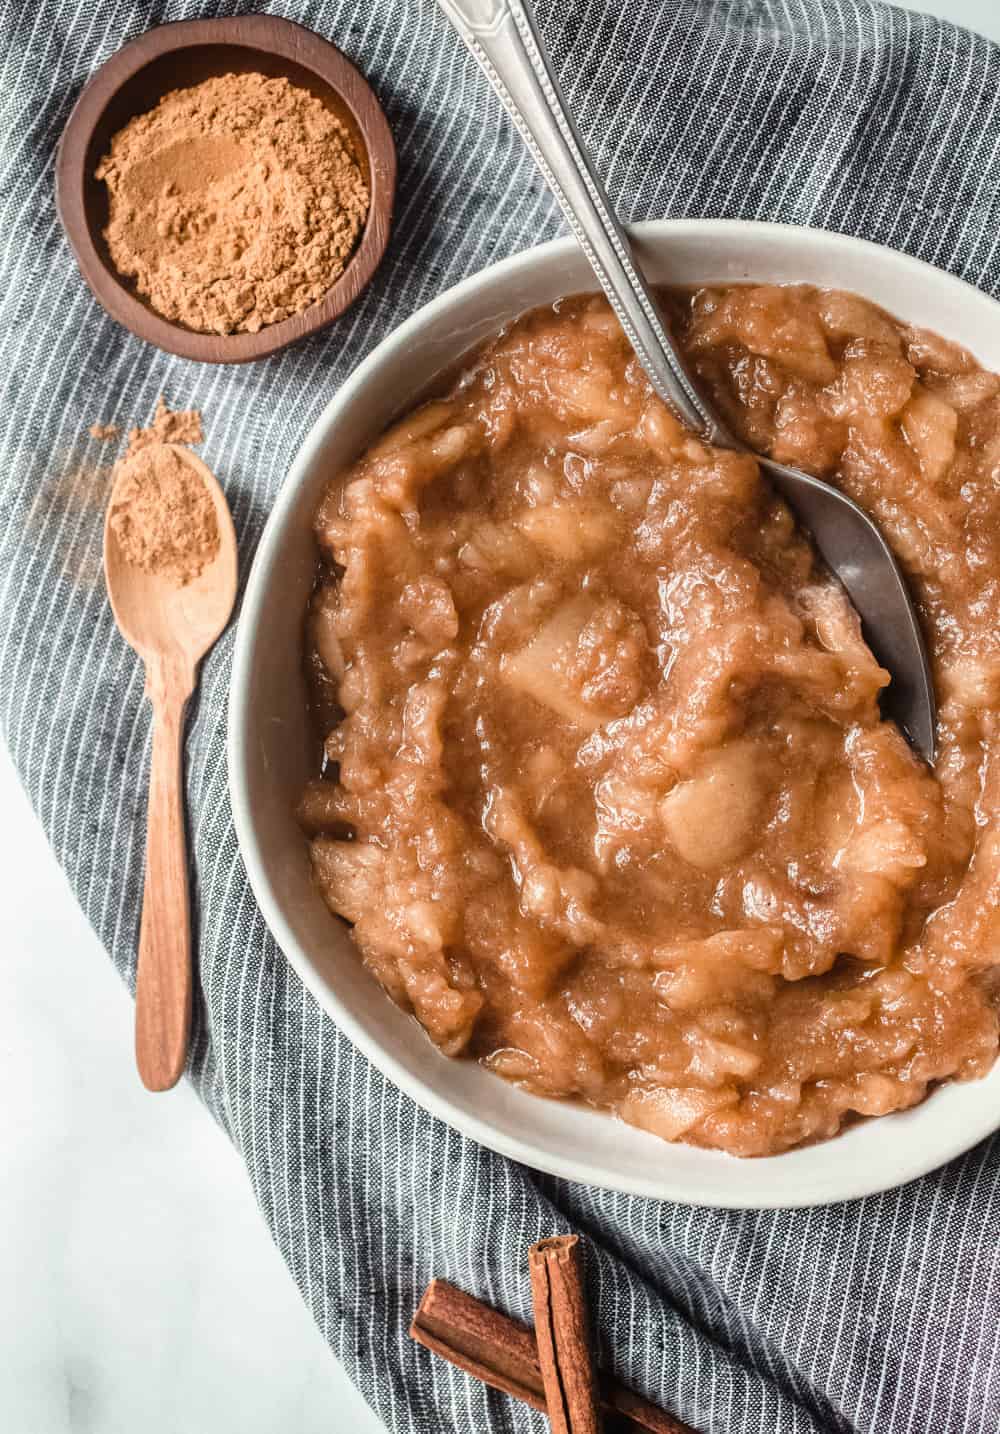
x=181, y=54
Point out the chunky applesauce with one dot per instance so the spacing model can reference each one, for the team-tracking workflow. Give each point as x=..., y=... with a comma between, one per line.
x=606, y=795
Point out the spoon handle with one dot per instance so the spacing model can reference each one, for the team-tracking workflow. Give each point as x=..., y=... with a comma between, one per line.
x=502, y=36
x=163, y=979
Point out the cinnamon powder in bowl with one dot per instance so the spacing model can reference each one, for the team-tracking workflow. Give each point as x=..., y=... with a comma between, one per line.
x=234, y=204
x=169, y=240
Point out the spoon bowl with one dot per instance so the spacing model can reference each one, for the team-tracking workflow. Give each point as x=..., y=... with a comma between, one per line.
x=852, y=546
x=171, y=626
x=155, y=615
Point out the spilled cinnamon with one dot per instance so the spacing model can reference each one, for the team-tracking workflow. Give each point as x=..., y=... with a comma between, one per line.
x=169, y=425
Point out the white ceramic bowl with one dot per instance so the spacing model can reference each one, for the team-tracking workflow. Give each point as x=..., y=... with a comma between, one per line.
x=268, y=736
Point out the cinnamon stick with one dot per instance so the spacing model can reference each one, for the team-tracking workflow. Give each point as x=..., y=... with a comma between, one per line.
x=562, y=1335
x=502, y=1353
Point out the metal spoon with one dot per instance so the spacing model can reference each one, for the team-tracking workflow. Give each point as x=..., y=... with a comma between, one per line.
x=171, y=628
x=503, y=37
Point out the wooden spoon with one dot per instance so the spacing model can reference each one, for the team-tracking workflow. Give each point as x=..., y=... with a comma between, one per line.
x=171, y=627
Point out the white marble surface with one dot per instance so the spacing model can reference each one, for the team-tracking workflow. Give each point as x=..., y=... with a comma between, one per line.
x=981, y=15
x=139, y=1289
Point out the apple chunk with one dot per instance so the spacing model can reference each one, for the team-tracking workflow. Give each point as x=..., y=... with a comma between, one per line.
x=585, y=663
x=713, y=818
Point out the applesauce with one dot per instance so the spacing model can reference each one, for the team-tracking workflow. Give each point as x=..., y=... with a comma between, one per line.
x=606, y=795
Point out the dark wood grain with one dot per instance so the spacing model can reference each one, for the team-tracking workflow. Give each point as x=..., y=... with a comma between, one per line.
x=173, y=56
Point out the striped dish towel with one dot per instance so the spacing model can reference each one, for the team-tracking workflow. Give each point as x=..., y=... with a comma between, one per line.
x=878, y=1316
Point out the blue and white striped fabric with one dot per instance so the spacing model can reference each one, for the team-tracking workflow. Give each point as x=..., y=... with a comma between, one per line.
x=879, y=1316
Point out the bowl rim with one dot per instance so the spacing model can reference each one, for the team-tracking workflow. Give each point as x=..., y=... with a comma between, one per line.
x=274, y=36
x=857, y=1180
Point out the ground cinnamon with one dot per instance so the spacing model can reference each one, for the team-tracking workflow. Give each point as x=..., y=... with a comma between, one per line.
x=234, y=203
x=161, y=514
x=502, y=1353
x=169, y=425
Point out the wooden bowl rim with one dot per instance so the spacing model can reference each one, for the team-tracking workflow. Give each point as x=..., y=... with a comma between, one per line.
x=270, y=35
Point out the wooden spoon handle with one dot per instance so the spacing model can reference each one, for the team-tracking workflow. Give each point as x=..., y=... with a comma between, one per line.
x=163, y=979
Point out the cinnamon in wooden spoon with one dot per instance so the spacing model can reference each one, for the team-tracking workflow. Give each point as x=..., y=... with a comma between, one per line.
x=170, y=565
